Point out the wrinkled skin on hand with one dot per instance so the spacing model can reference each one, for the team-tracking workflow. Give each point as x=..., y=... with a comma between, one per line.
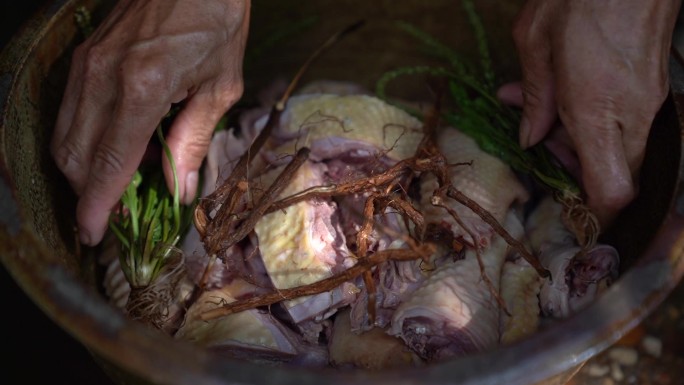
x=601, y=67
x=146, y=55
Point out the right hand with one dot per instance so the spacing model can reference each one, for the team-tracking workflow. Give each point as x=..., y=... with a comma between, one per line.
x=146, y=55
x=600, y=67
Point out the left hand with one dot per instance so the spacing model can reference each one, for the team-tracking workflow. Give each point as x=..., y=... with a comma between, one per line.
x=146, y=55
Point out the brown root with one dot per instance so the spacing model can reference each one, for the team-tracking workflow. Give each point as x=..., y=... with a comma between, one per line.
x=579, y=219
x=437, y=201
x=157, y=304
x=321, y=286
x=384, y=190
x=499, y=229
x=221, y=224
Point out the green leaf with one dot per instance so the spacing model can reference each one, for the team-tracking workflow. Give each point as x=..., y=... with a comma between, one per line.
x=149, y=222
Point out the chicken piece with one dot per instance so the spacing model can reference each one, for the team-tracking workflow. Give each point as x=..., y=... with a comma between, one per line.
x=373, y=349
x=577, y=277
x=333, y=124
x=395, y=281
x=454, y=312
x=520, y=286
x=253, y=120
x=251, y=334
x=486, y=180
x=303, y=244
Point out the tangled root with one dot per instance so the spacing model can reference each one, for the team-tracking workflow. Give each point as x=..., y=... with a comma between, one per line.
x=152, y=304
x=579, y=219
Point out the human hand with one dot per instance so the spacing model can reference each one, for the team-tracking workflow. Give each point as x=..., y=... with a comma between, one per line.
x=146, y=55
x=601, y=67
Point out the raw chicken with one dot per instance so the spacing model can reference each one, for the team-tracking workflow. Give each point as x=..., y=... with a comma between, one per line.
x=482, y=177
x=302, y=244
x=333, y=124
x=520, y=286
x=454, y=312
x=252, y=334
x=424, y=310
x=578, y=277
x=373, y=349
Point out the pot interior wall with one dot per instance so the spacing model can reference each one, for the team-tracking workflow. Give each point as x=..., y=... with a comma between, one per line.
x=45, y=198
x=285, y=33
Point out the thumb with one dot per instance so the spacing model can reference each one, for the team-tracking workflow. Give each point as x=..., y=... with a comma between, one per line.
x=510, y=94
x=188, y=140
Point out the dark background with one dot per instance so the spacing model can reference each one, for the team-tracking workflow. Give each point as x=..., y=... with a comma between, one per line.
x=34, y=349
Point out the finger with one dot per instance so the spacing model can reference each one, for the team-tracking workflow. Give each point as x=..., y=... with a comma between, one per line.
x=90, y=119
x=511, y=94
x=635, y=128
x=636, y=123
x=635, y=137
x=70, y=99
x=114, y=163
x=561, y=146
x=539, y=105
x=606, y=176
x=189, y=140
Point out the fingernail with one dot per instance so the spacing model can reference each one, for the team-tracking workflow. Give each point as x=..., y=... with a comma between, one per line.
x=525, y=131
x=190, y=187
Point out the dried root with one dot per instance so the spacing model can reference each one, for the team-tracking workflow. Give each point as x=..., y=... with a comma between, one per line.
x=322, y=286
x=157, y=304
x=579, y=219
x=224, y=218
x=383, y=190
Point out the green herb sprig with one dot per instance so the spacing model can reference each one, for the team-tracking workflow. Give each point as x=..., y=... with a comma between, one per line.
x=149, y=223
x=478, y=113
